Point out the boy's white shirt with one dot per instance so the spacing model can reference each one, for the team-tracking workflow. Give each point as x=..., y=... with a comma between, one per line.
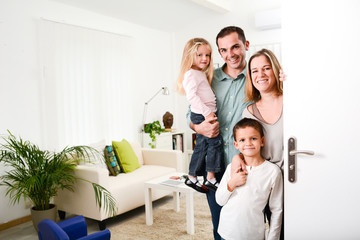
x=241, y=216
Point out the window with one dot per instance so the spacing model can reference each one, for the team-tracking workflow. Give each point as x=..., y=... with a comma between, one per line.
x=85, y=84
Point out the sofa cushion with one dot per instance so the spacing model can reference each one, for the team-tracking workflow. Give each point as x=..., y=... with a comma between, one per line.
x=126, y=156
x=98, y=159
x=111, y=161
x=137, y=149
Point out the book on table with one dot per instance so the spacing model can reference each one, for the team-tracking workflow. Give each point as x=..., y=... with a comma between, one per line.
x=171, y=182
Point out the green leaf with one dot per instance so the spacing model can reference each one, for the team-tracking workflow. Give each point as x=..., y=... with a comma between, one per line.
x=153, y=128
x=38, y=175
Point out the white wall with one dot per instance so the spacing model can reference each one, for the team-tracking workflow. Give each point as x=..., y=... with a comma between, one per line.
x=242, y=15
x=20, y=73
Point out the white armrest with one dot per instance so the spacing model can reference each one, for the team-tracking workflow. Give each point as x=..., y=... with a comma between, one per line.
x=167, y=158
x=93, y=174
x=82, y=200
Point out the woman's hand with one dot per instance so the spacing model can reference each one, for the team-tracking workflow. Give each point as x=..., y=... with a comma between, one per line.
x=238, y=178
x=238, y=162
x=242, y=163
x=282, y=76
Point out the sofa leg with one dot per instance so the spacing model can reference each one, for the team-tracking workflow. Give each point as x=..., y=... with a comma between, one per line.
x=61, y=214
x=102, y=225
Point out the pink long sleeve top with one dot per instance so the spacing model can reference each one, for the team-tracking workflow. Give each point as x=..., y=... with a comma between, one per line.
x=199, y=93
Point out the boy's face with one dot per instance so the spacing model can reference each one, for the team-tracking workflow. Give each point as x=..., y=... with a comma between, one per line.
x=249, y=141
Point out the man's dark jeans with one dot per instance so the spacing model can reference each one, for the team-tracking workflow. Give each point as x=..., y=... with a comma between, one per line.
x=214, y=207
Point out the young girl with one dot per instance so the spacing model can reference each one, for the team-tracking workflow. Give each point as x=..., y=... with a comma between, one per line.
x=244, y=196
x=194, y=80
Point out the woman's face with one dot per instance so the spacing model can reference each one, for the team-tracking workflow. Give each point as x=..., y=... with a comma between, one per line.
x=262, y=74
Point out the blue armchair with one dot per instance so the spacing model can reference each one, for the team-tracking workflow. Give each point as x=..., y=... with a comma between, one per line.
x=70, y=229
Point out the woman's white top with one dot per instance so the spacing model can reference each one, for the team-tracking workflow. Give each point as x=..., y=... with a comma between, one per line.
x=274, y=147
x=242, y=215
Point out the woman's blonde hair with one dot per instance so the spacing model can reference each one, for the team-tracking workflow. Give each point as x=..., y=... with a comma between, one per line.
x=252, y=94
x=189, y=53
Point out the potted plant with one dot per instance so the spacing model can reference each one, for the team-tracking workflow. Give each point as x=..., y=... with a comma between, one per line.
x=153, y=128
x=37, y=175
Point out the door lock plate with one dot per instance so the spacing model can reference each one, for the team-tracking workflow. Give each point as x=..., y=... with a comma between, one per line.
x=292, y=159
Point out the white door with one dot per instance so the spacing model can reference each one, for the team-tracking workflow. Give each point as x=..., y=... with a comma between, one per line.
x=321, y=58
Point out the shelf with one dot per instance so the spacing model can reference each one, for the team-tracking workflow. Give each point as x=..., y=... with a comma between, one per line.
x=166, y=140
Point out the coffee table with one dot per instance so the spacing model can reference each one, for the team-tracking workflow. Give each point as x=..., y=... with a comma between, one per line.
x=158, y=183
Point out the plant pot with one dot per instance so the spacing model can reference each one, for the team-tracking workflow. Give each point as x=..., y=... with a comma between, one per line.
x=38, y=215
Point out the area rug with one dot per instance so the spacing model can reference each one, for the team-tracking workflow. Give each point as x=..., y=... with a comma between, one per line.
x=168, y=224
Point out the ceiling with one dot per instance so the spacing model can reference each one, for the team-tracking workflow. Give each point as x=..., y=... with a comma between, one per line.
x=165, y=15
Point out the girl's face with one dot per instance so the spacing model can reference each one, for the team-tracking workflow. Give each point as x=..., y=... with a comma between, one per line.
x=249, y=141
x=202, y=58
x=262, y=74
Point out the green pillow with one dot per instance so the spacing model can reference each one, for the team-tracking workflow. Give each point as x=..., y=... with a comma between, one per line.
x=111, y=161
x=126, y=156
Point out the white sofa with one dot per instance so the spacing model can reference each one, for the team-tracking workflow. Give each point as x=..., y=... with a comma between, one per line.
x=127, y=189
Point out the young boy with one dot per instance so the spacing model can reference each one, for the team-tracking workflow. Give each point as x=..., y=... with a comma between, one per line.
x=244, y=196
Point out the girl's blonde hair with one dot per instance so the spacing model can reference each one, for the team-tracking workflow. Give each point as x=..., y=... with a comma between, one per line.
x=252, y=94
x=189, y=53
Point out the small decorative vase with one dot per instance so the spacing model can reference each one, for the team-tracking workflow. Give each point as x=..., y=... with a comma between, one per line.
x=38, y=215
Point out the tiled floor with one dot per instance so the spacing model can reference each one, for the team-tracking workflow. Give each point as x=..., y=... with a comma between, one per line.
x=26, y=231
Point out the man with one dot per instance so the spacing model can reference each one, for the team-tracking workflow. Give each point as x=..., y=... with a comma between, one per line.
x=228, y=84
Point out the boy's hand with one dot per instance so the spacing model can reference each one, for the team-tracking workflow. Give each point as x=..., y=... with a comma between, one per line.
x=237, y=179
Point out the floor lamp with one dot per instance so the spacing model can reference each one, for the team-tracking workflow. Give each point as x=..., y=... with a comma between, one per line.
x=164, y=91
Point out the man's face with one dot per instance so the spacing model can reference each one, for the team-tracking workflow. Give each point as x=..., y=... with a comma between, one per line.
x=233, y=51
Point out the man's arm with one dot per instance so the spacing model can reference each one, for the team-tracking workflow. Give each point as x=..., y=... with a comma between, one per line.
x=208, y=128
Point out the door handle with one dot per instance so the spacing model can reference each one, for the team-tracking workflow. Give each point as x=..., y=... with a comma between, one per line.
x=292, y=153
x=307, y=152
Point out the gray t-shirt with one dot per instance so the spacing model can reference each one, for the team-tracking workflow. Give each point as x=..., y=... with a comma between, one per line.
x=274, y=147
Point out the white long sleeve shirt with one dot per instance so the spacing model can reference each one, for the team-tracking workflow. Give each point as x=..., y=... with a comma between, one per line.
x=242, y=216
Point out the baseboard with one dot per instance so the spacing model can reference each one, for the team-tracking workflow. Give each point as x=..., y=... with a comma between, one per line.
x=15, y=222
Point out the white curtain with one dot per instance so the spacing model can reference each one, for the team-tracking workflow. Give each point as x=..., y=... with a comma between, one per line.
x=86, y=85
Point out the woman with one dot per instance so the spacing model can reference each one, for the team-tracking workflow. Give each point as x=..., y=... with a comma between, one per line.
x=264, y=88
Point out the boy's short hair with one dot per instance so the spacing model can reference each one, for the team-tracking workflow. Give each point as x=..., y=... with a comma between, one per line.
x=248, y=122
